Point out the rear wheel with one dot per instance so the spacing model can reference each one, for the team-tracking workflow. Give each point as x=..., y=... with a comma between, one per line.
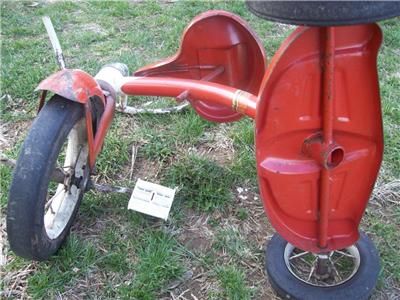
x=349, y=273
x=49, y=180
x=325, y=13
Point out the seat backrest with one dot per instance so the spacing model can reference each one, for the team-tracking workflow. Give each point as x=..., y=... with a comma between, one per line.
x=220, y=47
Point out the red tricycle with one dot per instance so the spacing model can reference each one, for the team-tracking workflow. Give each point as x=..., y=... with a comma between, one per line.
x=318, y=135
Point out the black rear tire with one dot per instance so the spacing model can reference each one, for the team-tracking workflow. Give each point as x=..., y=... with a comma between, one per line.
x=29, y=235
x=324, y=13
x=359, y=286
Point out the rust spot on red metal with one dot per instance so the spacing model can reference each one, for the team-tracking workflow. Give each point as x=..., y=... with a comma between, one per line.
x=95, y=142
x=72, y=84
x=213, y=93
x=42, y=99
x=240, y=102
x=104, y=124
x=90, y=134
x=327, y=156
x=326, y=88
x=77, y=85
x=219, y=47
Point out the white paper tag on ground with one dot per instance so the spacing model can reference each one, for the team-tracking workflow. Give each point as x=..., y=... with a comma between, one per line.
x=151, y=199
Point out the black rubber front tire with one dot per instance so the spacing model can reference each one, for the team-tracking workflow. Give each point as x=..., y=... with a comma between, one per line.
x=360, y=286
x=29, y=188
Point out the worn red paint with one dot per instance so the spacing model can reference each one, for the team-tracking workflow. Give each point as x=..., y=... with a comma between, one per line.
x=327, y=87
x=72, y=84
x=318, y=130
x=328, y=98
x=77, y=85
x=95, y=141
x=213, y=94
x=104, y=124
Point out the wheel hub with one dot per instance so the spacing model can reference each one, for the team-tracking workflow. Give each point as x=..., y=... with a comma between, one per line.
x=70, y=179
x=322, y=270
x=71, y=174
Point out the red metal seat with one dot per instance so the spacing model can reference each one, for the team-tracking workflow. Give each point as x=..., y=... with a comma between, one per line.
x=220, y=47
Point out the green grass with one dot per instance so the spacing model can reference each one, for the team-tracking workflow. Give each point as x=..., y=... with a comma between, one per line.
x=74, y=261
x=386, y=232
x=244, y=164
x=116, y=258
x=116, y=151
x=203, y=184
x=159, y=146
x=158, y=263
x=231, y=241
x=170, y=135
x=233, y=283
x=5, y=181
x=114, y=253
x=242, y=213
x=6, y=173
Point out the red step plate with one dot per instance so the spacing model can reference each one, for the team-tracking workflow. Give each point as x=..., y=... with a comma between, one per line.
x=289, y=119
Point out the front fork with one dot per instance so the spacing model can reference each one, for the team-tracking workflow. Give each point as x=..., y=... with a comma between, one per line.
x=95, y=94
x=108, y=78
x=95, y=140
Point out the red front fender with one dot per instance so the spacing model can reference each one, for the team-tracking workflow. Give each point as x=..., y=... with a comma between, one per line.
x=79, y=86
x=72, y=84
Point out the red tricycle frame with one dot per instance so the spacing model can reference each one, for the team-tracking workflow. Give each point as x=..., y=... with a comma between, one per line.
x=318, y=124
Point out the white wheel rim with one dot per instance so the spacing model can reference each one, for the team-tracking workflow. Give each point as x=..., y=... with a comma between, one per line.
x=309, y=276
x=62, y=204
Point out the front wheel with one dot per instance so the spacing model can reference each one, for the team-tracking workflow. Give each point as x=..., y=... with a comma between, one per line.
x=49, y=180
x=349, y=273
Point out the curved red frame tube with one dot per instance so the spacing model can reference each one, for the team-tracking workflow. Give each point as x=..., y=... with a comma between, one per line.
x=213, y=93
x=95, y=141
x=315, y=136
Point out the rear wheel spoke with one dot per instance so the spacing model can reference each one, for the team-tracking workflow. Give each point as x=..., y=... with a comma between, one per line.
x=299, y=255
x=344, y=253
x=312, y=270
x=342, y=265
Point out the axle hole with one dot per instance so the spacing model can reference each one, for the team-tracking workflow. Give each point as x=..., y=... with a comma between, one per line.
x=335, y=157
